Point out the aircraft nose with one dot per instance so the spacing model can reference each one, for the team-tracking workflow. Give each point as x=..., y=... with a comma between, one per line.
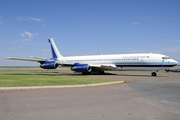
x=174, y=61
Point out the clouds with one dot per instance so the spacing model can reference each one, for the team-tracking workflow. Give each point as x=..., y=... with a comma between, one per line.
x=10, y=43
x=30, y=35
x=22, y=34
x=30, y=19
x=27, y=34
x=26, y=40
x=13, y=42
x=36, y=19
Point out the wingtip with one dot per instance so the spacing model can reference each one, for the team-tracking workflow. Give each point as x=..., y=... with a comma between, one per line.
x=8, y=58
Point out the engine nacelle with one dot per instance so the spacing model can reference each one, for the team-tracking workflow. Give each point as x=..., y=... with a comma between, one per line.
x=81, y=67
x=49, y=65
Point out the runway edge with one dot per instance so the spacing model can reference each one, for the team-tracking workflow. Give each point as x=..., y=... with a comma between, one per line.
x=63, y=86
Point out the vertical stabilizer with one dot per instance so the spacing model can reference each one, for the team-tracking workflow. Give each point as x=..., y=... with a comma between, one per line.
x=54, y=49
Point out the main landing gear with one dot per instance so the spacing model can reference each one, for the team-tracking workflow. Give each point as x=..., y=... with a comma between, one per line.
x=154, y=73
x=93, y=72
x=86, y=73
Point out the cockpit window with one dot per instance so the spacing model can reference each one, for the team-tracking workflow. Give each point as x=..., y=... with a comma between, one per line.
x=166, y=57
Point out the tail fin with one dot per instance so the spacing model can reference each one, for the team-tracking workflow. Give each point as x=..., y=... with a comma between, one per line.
x=55, y=51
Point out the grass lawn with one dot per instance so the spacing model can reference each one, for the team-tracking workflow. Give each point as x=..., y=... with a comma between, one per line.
x=10, y=79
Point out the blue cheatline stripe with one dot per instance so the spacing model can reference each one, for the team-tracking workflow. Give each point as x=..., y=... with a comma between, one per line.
x=139, y=63
x=145, y=65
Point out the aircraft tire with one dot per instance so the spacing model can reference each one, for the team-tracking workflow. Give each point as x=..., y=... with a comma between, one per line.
x=153, y=74
x=86, y=73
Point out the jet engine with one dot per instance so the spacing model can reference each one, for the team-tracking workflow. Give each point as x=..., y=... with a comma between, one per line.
x=49, y=65
x=78, y=67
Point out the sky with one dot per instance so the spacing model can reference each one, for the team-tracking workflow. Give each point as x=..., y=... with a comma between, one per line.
x=88, y=27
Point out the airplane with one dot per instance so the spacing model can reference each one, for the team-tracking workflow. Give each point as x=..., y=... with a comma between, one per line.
x=100, y=63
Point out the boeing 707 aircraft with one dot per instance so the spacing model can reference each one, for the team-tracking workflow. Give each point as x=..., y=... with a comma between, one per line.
x=100, y=63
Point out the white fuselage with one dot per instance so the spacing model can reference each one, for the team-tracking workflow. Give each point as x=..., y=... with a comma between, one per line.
x=147, y=61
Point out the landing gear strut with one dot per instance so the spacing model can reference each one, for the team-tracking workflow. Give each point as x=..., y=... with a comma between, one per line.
x=101, y=72
x=86, y=73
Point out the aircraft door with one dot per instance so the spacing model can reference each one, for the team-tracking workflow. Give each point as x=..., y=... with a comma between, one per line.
x=142, y=61
x=162, y=63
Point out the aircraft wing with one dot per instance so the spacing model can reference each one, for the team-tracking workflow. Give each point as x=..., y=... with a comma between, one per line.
x=95, y=66
x=24, y=59
x=39, y=58
x=65, y=63
x=104, y=67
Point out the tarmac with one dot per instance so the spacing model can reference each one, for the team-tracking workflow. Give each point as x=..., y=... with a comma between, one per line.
x=141, y=97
